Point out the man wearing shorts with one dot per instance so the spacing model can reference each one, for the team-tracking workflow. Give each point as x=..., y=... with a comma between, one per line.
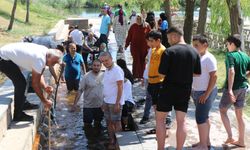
x=237, y=67
x=178, y=63
x=204, y=91
x=113, y=95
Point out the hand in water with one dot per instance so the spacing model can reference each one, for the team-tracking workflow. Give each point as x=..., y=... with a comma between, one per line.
x=49, y=89
x=47, y=104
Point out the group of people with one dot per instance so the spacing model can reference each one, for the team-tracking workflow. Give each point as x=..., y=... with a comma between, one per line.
x=175, y=71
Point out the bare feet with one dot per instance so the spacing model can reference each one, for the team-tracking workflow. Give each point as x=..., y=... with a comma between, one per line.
x=238, y=144
x=229, y=141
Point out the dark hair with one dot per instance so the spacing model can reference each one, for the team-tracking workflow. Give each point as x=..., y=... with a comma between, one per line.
x=60, y=47
x=154, y=34
x=127, y=72
x=97, y=60
x=201, y=38
x=150, y=19
x=175, y=30
x=234, y=39
x=163, y=16
x=119, y=6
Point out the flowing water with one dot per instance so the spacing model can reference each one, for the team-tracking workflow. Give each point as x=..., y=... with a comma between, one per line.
x=70, y=134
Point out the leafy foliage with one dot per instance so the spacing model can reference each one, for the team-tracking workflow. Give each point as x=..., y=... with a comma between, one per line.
x=220, y=22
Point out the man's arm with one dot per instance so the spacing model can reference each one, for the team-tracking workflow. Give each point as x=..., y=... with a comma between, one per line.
x=84, y=68
x=119, y=95
x=78, y=95
x=38, y=84
x=211, y=84
x=231, y=75
x=53, y=73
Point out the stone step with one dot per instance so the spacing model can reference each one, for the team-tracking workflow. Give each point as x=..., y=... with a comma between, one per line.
x=18, y=135
x=6, y=107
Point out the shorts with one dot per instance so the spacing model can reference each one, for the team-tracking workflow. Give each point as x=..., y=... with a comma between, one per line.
x=153, y=90
x=127, y=108
x=177, y=97
x=240, y=98
x=109, y=113
x=90, y=114
x=202, y=110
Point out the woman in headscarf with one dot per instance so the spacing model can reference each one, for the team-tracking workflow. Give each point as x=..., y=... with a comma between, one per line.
x=138, y=46
x=120, y=27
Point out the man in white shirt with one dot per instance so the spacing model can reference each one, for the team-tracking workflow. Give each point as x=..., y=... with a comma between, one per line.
x=204, y=91
x=77, y=38
x=113, y=95
x=30, y=57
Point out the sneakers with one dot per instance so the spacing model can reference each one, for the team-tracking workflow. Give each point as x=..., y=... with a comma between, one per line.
x=168, y=123
x=144, y=120
x=23, y=117
x=27, y=106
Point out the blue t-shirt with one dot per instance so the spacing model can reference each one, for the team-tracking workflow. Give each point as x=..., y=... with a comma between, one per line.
x=164, y=25
x=105, y=24
x=73, y=66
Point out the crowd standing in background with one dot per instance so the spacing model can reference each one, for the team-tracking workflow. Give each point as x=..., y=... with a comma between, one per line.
x=171, y=70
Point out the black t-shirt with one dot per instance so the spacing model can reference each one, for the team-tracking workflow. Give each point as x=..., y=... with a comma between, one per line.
x=178, y=64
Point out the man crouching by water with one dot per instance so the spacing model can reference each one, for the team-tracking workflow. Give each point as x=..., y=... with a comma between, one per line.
x=31, y=57
x=92, y=86
x=113, y=96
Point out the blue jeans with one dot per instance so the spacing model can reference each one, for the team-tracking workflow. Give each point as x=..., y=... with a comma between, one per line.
x=148, y=105
x=202, y=110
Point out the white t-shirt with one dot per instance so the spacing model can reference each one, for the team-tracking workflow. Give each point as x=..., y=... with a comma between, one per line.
x=145, y=73
x=77, y=36
x=127, y=91
x=110, y=84
x=208, y=64
x=27, y=56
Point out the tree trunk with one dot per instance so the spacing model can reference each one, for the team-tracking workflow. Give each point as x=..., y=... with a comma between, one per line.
x=12, y=18
x=236, y=20
x=202, y=17
x=27, y=11
x=188, y=23
x=168, y=12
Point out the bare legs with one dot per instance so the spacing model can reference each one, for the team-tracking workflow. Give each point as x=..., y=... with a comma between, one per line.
x=161, y=129
x=241, y=126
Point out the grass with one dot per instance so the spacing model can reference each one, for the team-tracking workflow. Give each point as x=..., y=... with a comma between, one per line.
x=42, y=19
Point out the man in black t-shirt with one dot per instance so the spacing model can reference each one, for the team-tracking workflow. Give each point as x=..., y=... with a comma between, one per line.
x=179, y=63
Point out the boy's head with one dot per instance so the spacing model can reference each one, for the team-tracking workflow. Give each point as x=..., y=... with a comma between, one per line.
x=233, y=42
x=174, y=35
x=154, y=38
x=200, y=43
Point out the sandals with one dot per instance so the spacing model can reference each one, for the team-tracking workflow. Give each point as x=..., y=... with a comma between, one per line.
x=236, y=143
